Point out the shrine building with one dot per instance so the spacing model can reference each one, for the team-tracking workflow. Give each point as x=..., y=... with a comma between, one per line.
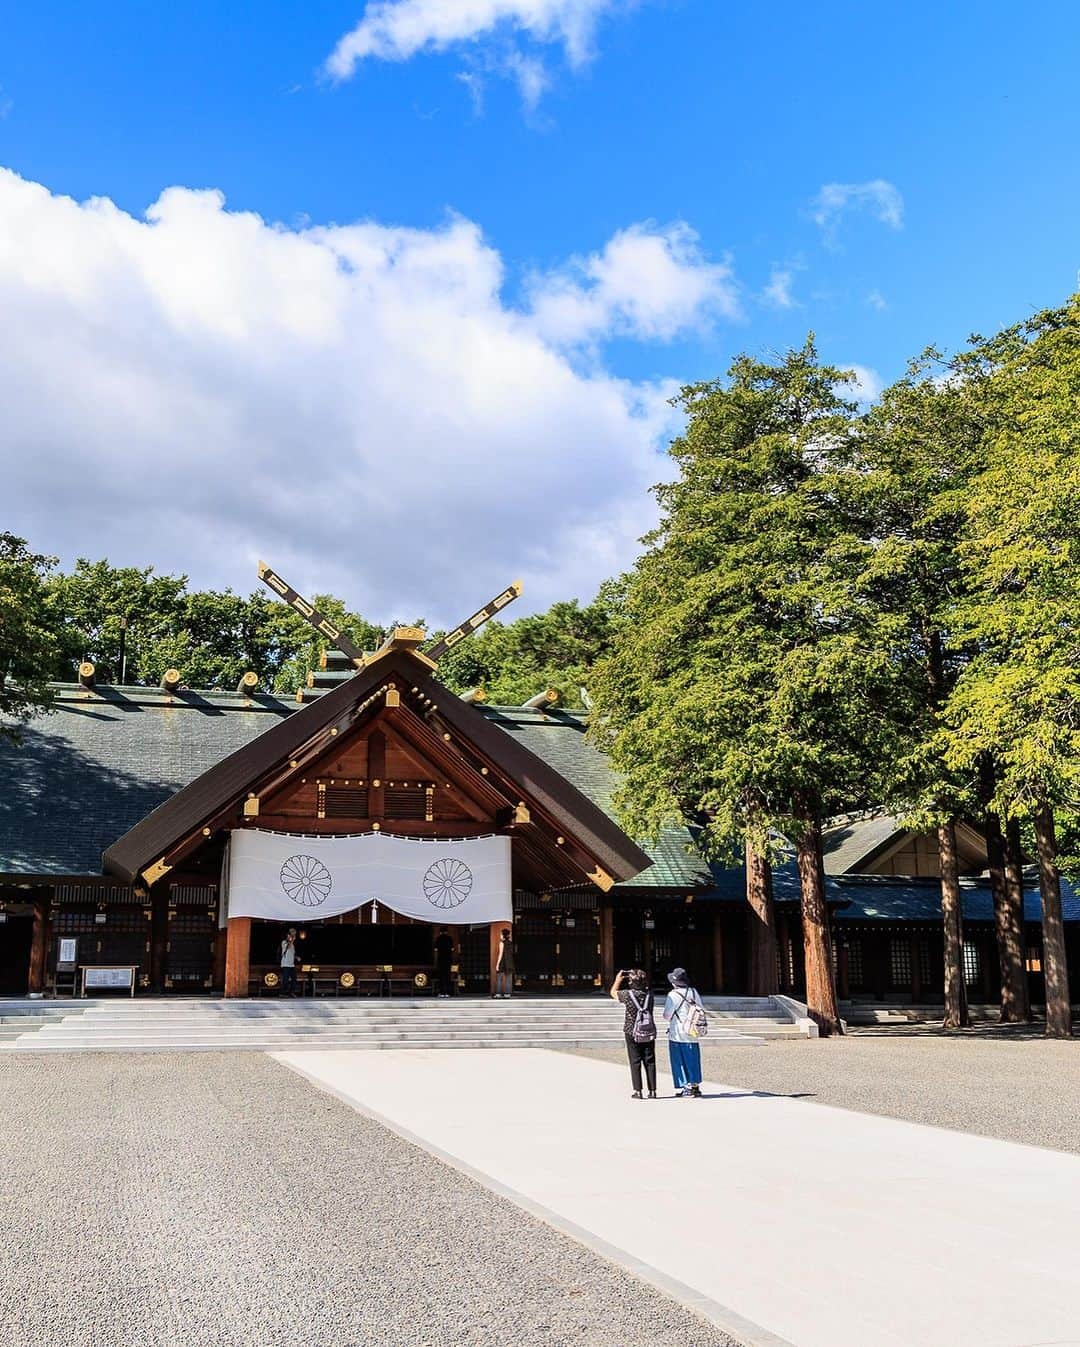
x=376, y=808
x=121, y=802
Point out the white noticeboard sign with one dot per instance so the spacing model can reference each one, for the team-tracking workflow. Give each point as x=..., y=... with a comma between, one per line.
x=109, y=977
x=68, y=946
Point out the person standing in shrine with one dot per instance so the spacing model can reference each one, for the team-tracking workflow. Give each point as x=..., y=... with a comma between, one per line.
x=504, y=966
x=631, y=990
x=288, y=963
x=684, y=1012
x=444, y=958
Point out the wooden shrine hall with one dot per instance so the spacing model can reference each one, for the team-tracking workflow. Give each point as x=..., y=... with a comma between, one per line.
x=120, y=802
x=152, y=783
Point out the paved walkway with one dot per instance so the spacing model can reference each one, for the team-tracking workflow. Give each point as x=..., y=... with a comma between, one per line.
x=783, y=1220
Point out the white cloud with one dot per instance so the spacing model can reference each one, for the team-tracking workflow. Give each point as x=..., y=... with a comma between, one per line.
x=778, y=292
x=877, y=301
x=866, y=386
x=396, y=30
x=358, y=404
x=649, y=282
x=835, y=199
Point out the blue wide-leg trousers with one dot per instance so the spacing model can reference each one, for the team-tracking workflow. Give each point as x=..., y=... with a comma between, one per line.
x=685, y=1063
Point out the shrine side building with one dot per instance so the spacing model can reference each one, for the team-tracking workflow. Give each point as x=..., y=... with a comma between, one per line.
x=118, y=804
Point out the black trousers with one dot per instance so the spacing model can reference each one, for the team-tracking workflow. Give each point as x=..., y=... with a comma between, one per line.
x=444, y=977
x=288, y=980
x=641, y=1055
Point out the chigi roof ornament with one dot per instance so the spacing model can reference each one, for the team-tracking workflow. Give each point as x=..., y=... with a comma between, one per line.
x=401, y=638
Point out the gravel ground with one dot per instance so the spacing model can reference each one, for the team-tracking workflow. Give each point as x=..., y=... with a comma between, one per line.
x=1010, y=1084
x=219, y=1200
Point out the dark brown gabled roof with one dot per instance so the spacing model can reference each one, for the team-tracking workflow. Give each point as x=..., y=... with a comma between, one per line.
x=228, y=781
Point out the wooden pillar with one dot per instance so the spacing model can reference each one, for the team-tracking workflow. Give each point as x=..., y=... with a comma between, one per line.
x=218, y=973
x=843, y=969
x=607, y=943
x=159, y=935
x=494, y=942
x=38, y=947
x=237, y=956
x=916, y=970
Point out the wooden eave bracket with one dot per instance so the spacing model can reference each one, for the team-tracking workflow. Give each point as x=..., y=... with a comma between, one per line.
x=154, y=872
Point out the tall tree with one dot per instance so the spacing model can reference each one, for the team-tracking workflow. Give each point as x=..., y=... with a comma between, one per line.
x=27, y=636
x=742, y=692
x=918, y=447
x=1019, y=697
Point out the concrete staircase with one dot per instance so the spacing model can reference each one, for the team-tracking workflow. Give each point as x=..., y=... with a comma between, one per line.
x=204, y=1024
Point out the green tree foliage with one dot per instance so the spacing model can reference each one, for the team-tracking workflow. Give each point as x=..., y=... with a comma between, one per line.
x=1018, y=699
x=514, y=661
x=26, y=635
x=214, y=636
x=917, y=449
x=748, y=688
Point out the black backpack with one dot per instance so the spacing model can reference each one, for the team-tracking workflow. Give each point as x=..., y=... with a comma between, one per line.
x=644, y=1030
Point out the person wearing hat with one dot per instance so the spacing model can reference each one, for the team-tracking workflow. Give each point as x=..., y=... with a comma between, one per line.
x=288, y=963
x=679, y=1010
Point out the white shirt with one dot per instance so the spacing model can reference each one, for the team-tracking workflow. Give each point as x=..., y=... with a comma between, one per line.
x=288, y=955
x=677, y=1012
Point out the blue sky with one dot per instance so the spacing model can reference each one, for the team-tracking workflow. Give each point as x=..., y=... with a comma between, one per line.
x=943, y=138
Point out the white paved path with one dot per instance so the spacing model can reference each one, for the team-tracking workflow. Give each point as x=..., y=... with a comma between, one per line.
x=786, y=1220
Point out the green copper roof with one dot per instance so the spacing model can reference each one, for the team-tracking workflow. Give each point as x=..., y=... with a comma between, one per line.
x=103, y=759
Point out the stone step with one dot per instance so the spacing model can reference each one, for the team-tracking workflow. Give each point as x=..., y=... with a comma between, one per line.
x=32, y=1044
x=208, y=1024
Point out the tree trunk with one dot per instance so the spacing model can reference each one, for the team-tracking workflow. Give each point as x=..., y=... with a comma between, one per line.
x=1058, y=1006
x=956, y=1010
x=1008, y=920
x=1014, y=884
x=761, y=917
x=1008, y=926
x=820, y=986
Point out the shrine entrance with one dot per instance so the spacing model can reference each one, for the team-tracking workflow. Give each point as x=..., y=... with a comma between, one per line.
x=348, y=955
x=15, y=937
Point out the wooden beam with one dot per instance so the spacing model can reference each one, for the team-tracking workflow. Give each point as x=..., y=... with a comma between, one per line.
x=546, y=698
x=238, y=956
x=249, y=684
x=308, y=611
x=86, y=674
x=170, y=680
x=376, y=750
x=471, y=624
x=404, y=638
x=422, y=738
x=402, y=827
x=474, y=695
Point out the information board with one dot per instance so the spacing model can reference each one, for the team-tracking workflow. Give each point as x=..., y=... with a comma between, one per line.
x=108, y=977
